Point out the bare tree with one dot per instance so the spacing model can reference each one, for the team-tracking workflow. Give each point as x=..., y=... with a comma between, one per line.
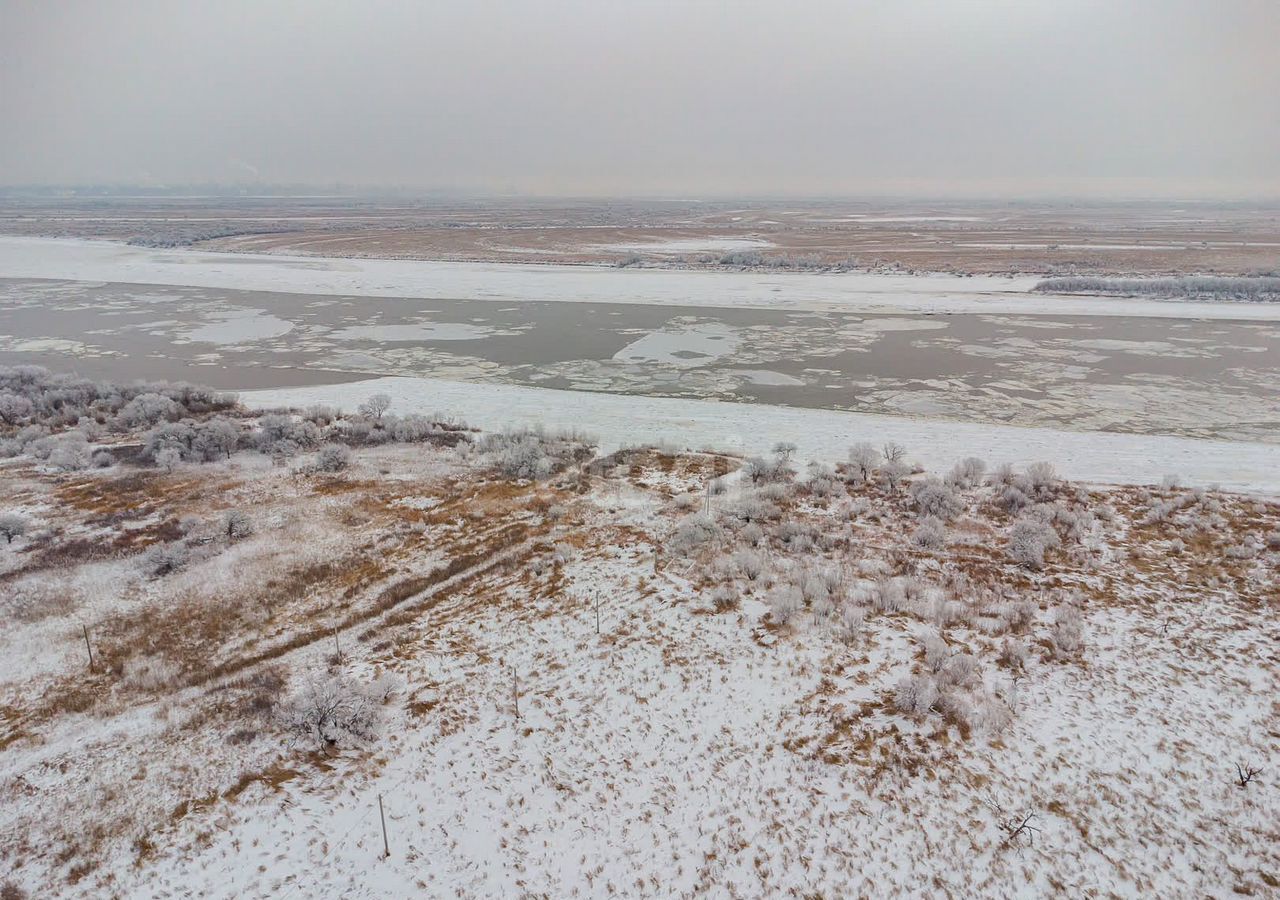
x=375, y=406
x=1245, y=773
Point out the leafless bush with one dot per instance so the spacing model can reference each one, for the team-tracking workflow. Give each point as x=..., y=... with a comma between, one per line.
x=332, y=458
x=236, y=525
x=784, y=602
x=1013, y=654
x=164, y=559
x=335, y=712
x=749, y=564
x=150, y=673
x=930, y=534
x=1067, y=633
x=916, y=695
x=932, y=497
x=1028, y=541
x=692, y=533
x=724, y=598
x=960, y=670
x=967, y=473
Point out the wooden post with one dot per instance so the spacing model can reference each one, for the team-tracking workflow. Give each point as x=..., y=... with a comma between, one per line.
x=85, y=629
x=336, y=646
x=515, y=690
x=386, y=848
x=597, y=612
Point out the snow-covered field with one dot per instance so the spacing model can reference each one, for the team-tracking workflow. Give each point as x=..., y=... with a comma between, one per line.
x=825, y=435
x=708, y=740
x=109, y=262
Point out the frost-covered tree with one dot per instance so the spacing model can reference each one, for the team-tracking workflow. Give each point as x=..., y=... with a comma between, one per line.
x=13, y=525
x=214, y=439
x=863, y=459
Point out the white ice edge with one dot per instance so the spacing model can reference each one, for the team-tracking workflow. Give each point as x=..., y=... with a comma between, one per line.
x=751, y=428
x=104, y=261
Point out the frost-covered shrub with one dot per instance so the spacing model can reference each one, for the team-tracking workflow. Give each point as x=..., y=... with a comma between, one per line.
x=1067, y=633
x=685, y=502
x=71, y=453
x=321, y=414
x=960, y=670
x=150, y=673
x=1018, y=614
x=168, y=458
x=724, y=598
x=822, y=480
x=936, y=651
x=894, y=472
x=758, y=470
x=994, y=715
x=1042, y=477
x=692, y=533
x=754, y=507
x=749, y=564
x=163, y=559
x=410, y=429
x=1012, y=498
x=888, y=596
x=236, y=525
x=752, y=535
x=916, y=695
x=14, y=408
x=148, y=409
x=967, y=473
x=1028, y=541
x=533, y=454
x=175, y=436
x=216, y=438
x=102, y=459
x=797, y=537
x=336, y=712
x=1013, y=654
x=784, y=602
x=813, y=587
x=852, y=619
x=332, y=458
x=932, y=497
x=930, y=534
x=284, y=435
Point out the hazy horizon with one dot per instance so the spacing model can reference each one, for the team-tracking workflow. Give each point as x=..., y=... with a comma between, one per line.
x=563, y=99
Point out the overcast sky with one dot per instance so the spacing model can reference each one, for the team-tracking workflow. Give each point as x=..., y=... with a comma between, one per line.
x=701, y=97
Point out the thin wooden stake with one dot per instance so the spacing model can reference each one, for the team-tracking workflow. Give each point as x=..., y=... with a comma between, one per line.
x=386, y=848
x=515, y=690
x=336, y=646
x=85, y=629
x=597, y=612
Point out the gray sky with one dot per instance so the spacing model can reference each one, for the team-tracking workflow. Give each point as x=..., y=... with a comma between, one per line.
x=815, y=97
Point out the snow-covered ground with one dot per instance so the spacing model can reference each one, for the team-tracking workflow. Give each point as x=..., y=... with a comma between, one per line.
x=747, y=428
x=856, y=292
